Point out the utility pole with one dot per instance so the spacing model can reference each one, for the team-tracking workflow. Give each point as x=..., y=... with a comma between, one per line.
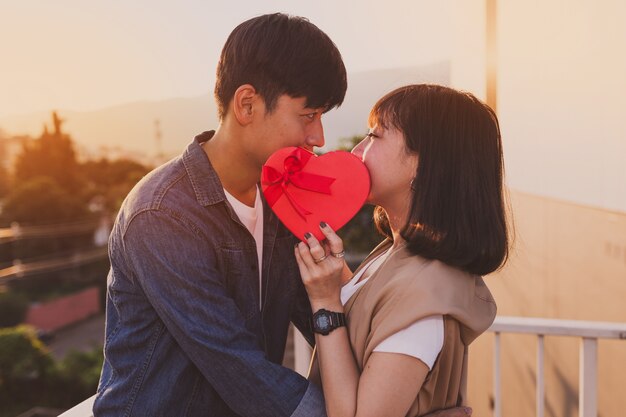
x=492, y=56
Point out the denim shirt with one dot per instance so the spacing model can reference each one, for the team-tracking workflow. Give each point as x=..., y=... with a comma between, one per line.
x=185, y=335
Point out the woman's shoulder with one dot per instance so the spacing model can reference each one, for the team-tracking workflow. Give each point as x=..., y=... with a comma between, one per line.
x=406, y=266
x=406, y=275
x=438, y=288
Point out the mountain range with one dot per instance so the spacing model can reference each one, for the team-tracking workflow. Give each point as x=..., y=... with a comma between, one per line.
x=131, y=129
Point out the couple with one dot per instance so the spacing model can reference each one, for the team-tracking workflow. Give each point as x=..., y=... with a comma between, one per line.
x=205, y=280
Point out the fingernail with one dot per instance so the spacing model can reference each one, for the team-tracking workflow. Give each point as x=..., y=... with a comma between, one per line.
x=323, y=224
x=308, y=235
x=468, y=411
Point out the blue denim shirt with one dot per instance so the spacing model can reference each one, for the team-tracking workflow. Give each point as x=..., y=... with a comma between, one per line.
x=185, y=335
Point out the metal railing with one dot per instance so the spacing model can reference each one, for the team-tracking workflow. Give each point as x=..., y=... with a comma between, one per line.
x=588, y=331
x=19, y=270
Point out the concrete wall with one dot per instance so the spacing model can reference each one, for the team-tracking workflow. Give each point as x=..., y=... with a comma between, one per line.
x=561, y=101
x=561, y=93
x=569, y=261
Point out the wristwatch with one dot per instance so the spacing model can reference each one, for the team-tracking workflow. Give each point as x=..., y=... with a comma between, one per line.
x=324, y=321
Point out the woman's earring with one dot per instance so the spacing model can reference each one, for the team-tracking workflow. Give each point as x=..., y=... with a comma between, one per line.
x=413, y=185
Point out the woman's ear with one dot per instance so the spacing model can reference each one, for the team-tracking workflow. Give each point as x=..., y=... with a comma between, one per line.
x=243, y=104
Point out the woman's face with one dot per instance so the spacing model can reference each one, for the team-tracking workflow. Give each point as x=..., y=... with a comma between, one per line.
x=391, y=167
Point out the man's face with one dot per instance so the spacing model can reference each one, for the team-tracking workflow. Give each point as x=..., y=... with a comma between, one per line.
x=291, y=123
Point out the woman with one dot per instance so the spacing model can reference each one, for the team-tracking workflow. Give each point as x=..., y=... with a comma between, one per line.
x=417, y=301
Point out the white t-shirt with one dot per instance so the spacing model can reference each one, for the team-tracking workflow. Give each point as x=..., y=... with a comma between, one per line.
x=422, y=340
x=252, y=218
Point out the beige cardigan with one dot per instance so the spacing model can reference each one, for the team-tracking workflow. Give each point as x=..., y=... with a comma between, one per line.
x=406, y=288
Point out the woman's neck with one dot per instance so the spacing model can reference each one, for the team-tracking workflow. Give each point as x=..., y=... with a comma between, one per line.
x=396, y=223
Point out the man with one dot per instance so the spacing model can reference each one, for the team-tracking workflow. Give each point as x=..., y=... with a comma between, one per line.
x=203, y=280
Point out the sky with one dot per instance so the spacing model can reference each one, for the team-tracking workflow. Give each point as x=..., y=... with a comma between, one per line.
x=561, y=70
x=84, y=55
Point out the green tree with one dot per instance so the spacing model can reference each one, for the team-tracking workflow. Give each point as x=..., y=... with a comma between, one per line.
x=79, y=370
x=13, y=309
x=51, y=155
x=29, y=376
x=359, y=234
x=41, y=200
x=111, y=180
x=346, y=144
x=105, y=172
x=25, y=365
x=4, y=182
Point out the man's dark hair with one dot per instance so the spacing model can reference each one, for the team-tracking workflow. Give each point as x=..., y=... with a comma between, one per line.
x=280, y=54
x=457, y=210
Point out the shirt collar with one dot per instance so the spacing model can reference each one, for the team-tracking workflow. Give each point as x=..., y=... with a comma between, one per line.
x=204, y=180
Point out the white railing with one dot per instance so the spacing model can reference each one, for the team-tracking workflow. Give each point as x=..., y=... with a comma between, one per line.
x=588, y=331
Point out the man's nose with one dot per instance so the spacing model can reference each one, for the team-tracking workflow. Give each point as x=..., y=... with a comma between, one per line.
x=315, y=136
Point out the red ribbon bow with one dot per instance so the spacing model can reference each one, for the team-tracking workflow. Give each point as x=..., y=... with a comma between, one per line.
x=278, y=181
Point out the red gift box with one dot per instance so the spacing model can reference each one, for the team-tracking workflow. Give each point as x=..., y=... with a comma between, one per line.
x=304, y=189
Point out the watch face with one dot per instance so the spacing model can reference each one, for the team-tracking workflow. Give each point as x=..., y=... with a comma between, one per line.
x=322, y=321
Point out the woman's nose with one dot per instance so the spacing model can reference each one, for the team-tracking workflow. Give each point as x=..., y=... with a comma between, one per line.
x=358, y=149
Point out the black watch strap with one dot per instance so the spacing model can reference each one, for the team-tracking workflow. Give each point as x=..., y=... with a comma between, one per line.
x=324, y=321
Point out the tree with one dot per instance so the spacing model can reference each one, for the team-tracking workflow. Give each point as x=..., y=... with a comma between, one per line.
x=4, y=175
x=13, y=309
x=30, y=377
x=111, y=180
x=359, y=234
x=41, y=200
x=51, y=155
x=4, y=182
x=346, y=144
x=25, y=365
x=79, y=370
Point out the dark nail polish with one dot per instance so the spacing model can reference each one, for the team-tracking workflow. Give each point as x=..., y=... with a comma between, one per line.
x=323, y=224
x=307, y=235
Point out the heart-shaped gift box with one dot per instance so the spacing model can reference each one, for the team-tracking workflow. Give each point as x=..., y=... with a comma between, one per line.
x=304, y=189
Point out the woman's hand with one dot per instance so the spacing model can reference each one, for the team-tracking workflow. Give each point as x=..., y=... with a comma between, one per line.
x=322, y=267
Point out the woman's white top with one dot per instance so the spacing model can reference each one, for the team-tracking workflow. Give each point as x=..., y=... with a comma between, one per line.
x=422, y=340
x=252, y=218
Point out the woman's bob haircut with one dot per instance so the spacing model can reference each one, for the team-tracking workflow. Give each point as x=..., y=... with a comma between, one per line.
x=457, y=211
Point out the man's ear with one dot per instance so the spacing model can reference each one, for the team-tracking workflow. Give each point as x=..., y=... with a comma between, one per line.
x=244, y=102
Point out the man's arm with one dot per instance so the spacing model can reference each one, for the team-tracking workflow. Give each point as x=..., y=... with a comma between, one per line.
x=301, y=313
x=187, y=292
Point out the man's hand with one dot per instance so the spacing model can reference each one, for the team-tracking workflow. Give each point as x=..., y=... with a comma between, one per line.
x=452, y=412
